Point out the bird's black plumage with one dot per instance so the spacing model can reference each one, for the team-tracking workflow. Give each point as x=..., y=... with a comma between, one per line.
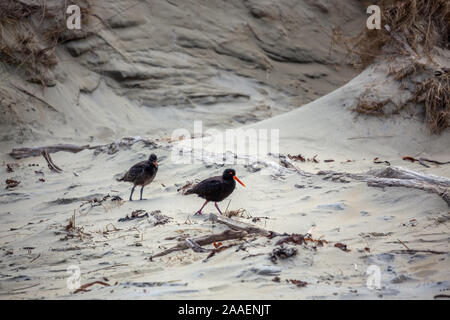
x=141, y=174
x=216, y=188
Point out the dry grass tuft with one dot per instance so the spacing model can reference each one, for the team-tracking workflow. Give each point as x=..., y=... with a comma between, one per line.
x=417, y=31
x=421, y=25
x=371, y=108
x=30, y=32
x=435, y=94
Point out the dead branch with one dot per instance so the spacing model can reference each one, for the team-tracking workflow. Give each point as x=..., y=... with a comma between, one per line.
x=20, y=153
x=242, y=226
x=204, y=240
x=110, y=148
x=50, y=163
x=403, y=173
x=400, y=177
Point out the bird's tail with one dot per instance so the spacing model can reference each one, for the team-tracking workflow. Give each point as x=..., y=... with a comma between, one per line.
x=188, y=192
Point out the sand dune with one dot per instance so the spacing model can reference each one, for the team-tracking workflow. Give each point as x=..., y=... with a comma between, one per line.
x=375, y=224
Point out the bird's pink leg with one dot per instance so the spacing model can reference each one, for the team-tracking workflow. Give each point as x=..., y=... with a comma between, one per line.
x=218, y=208
x=200, y=211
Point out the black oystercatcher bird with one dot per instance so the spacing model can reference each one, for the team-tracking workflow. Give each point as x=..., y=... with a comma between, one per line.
x=141, y=174
x=216, y=188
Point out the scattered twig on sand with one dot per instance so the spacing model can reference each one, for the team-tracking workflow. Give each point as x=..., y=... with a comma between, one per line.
x=10, y=183
x=9, y=167
x=300, y=239
x=342, y=246
x=71, y=224
x=73, y=230
x=136, y=214
x=298, y=283
x=413, y=251
x=99, y=202
x=218, y=248
x=282, y=253
x=299, y=157
x=51, y=165
x=159, y=217
x=313, y=159
x=87, y=285
x=238, y=213
x=38, y=256
x=378, y=161
x=238, y=225
x=403, y=244
x=423, y=160
x=108, y=230
x=293, y=238
x=204, y=240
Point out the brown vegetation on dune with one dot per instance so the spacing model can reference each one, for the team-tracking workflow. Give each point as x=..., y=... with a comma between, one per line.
x=414, y=36
x=30, y=33
x=435, y=94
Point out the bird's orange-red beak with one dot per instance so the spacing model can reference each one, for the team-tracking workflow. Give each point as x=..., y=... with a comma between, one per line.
x=155, y=163
x=237, y=179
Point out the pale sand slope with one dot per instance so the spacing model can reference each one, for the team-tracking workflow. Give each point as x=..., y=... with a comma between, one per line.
x=157, y=65
x=351, y=213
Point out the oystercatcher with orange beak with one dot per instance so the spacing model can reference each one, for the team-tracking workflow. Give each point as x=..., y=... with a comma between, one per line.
x=216, y=188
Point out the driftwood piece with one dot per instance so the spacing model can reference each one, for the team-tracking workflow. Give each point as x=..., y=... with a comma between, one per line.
x=195, y=246
x=406, y=174
x=50, y=163
x=238, y=225
x=110, y=148
x=20, y=153
x=87, y=285
x=434, y=161
x=203, y=240
x=401, y=177
x=443, y=192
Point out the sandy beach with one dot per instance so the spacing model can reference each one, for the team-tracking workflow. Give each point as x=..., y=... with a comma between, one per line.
x=125, y=91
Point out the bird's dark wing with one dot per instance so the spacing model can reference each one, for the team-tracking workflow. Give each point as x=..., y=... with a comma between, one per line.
x=208, y=187
x=135, y=171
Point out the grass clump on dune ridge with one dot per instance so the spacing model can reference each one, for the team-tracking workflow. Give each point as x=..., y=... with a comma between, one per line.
x=30, y=32
x=414, y=40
